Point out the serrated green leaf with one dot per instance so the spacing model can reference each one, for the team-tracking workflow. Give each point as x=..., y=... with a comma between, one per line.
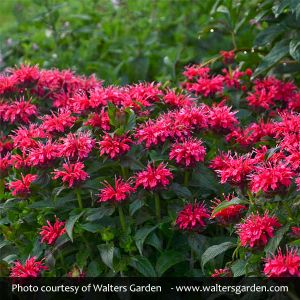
x=141, y=235
x=143, y=265
x=135, y=206
x=295, y=49
x=70, y=224
x=167, y=260
x=214, y=251
x=181, y=191
x=276, y=239
x=107, y=254
x=238, y=268
x=280, y=50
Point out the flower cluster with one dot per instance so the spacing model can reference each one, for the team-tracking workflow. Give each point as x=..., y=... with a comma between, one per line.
x=150, y=147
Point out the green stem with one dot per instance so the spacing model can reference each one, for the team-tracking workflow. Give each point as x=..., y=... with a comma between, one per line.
x=122, y=218
x=186, y=178
x=192, y=261
x=124, y=172
x=2, y=187
x=157, y=206
x=79, y=199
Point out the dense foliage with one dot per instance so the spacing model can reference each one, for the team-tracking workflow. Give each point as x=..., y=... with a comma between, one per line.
x=147, y=179
x=125, y=41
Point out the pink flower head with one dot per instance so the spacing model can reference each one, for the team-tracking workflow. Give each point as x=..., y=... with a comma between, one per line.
x=222, y=118
x=270, y=177
x=58, y=122
x=193, y=217
x=21, y=187
x=26, y=74
x=256, y=230
x=188, y=153
x=77, y=145
x=222, y=273
x=19, y=111
x=230, y=214
x=114, y=146
x=153, y=177
x=232, y=168
x=195, y=71
x=31, y=268
x=117, y=193
x=283, y=265
x=100, y=120
x=50, y=233
x=207, y=87
x=71, y=173
x=42, y=154
x=177, y=100
x=228, y=56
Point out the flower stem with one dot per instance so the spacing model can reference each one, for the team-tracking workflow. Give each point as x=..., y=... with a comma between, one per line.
x=192, y=260
x=186, y=178
x=79, y=199
x=122, y=218
x=2, y=186
x=157, y=206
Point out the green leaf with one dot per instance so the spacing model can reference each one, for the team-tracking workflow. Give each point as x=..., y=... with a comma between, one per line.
x=70, y=224
x=143, y=265
x=295, y=50
x=214, y=251
x=167, y=260
x=238, y=268
x=99, y=213
x=181, y=191
x=280, y=50
x=226, y=204
x=107, y=254
x=135, y=206
x=276, y=239
x=141, y=235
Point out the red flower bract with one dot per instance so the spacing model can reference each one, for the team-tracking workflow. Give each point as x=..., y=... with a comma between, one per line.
x=119, y=192
x=270, y=177
x=114, y=146
x=71, y=173
x=222, y=273
x=230, y=214
x=188, y=153
x=21, y=187
x=77, y=145
x=50, y=233
x=154, y=177
x=193, y=217
x=283, y=265
x=256, y=230
x=31, y=268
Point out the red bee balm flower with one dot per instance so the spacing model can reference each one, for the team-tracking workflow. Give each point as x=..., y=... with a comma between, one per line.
x=50, y=233
x=114, y=146
x=228, y=56
x=31, y=268
x=230, y=214
x=270, y=177
x=72, y=173
x=21, y=187
x=222, y=273
x=193, y=217
x=119, y=192
x=77, y=146
x=188, y=153
x=280, y=265
x=256, y=230
x=153, y=177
